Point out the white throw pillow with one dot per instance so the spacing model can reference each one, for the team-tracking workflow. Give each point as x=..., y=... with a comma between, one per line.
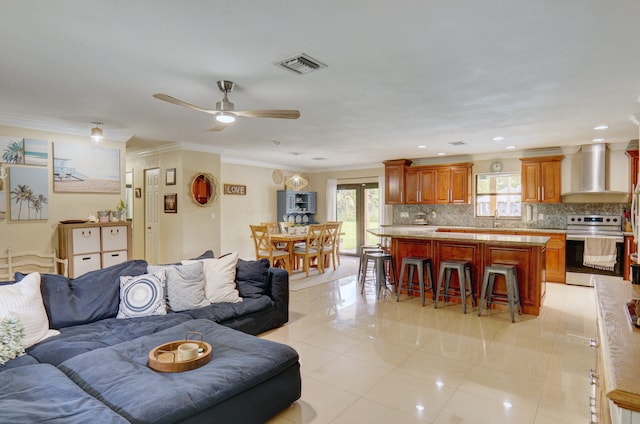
x=24, y=301
x=220, y=278
x=142, y=296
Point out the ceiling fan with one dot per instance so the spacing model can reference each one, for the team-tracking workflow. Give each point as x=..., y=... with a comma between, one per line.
x=225, y=112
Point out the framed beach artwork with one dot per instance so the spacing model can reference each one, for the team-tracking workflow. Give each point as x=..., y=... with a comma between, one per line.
x=28, y=193
x=36, y=152
x=87, y=168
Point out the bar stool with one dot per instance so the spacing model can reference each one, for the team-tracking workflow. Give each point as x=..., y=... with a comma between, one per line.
x=380, y=259
x=463, y=268
x=364, y=249
x=511, y=278
x=414, y=263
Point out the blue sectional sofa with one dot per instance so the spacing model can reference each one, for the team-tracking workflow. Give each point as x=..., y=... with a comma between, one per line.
x=98, y=365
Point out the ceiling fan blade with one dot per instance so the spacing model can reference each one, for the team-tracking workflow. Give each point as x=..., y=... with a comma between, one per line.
x=168, y=98
x=218, y=127
x=269, y=113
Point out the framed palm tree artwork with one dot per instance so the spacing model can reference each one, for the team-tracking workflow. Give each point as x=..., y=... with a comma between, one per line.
x=28, y=193
x=11, y=150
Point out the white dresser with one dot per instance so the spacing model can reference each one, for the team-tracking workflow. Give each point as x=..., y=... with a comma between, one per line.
x=91, y=246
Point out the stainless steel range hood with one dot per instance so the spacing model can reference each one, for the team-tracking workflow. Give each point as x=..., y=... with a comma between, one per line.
x=594, y=186
x=594, y=168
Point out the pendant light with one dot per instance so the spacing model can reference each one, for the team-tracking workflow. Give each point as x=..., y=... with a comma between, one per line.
x=96, y=132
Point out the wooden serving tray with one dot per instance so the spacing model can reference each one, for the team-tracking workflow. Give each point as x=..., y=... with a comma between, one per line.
x=164, y=358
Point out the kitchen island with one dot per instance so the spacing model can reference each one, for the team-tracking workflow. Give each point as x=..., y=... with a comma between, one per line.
x=527, y=253
x=617, y=378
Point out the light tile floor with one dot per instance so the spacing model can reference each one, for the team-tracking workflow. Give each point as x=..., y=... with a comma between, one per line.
x=377, y=361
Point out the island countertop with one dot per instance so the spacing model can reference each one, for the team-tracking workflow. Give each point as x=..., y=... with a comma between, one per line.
x=618, y=345
x=431, y=233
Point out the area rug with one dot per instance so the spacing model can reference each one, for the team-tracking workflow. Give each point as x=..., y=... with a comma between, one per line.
x=298, y=280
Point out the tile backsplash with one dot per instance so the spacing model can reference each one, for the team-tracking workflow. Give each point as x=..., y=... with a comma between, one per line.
x=554, y=216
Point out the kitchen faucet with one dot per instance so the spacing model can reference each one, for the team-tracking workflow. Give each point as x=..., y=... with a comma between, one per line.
x=496, y=215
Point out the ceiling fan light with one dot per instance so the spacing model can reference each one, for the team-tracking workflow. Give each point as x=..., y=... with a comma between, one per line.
x=96, y=132
x=225, y=117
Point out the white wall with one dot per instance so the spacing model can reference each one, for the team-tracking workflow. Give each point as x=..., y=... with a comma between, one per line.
x=194, y=228
x=42, y=235
x=238, y=212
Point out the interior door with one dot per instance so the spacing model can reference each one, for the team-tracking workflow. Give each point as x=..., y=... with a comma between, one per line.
x=152, y=215
x=358, y=209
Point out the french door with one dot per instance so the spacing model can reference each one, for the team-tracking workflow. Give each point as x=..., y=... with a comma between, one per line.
x=357, y=206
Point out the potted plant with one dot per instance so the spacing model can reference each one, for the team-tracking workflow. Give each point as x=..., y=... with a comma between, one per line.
x=119, y=213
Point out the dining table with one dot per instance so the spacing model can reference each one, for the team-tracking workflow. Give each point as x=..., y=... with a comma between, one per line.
x=289, y=240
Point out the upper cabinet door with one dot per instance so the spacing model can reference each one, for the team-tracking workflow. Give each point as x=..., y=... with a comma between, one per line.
x=394, y=171
x=460, y=185
x=442, y=186
x=530, y=181
x=551, y=184
x=541, y=179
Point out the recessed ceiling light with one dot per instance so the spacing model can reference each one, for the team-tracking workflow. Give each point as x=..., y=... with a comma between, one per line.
x=601, y=127
x=422, y=146
x=498, y=138
x=597, y=140
x=510, y=147
x=441, y=154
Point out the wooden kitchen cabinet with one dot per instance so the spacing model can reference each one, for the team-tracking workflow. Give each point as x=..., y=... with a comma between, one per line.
x=633, y=171
x=541, y=179
x=629, y=248
x=419, y=185
x=555, y=252
x=394, y=177
x=452, y=183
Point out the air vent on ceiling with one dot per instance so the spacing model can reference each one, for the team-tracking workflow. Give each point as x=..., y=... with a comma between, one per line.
x=457, y=143
x=301, y=64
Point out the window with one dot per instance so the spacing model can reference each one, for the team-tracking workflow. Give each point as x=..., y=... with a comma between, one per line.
x=499, y=192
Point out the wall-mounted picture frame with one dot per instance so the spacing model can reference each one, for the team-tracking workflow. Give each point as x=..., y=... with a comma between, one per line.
x=171, y=203
x=79, y=168
x=170, y=176
x=11, y=150
x=29, y=193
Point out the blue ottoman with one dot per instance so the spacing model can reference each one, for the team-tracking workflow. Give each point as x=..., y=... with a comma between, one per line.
x=248, y=379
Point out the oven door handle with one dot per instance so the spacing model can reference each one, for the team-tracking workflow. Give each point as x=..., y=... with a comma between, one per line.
x=575, y=237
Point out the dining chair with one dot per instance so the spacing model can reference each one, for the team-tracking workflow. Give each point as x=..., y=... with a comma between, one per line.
x=330, y=241
x=338, y=238
x=265, y=248
x=271, y=226
x=312, y=248
x=284, y=225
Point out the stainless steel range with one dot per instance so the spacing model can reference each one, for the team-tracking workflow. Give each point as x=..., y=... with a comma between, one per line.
x=580, y=227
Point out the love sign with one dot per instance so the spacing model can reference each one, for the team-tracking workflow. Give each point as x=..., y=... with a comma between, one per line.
x=235, y=189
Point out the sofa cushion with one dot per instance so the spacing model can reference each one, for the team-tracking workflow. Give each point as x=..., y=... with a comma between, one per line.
x=23, y=302
x=240, y=363
x=142, y=295
x=185, y=285
x=42, y=393
x=219, y=278
x=251, y=277
x=91, y=297
x=83, y=338
x=221, y=312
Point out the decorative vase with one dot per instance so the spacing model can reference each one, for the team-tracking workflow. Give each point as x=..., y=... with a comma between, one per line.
x=103, y=216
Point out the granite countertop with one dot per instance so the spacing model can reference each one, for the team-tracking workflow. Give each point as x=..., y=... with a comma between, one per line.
x=619, y=342
x=429, y=233
x=502, y=229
